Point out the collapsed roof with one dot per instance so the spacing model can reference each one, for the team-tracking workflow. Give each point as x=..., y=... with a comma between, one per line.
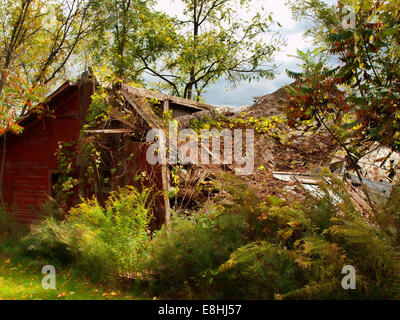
x=266, y=106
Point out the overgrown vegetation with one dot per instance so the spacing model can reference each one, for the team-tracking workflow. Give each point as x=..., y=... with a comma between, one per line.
x=241, y=247
x=182, y=261
x=102, y=243
x=252, y=248
x=358, y=97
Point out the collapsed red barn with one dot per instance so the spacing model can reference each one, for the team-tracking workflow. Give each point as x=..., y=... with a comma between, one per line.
x=30, y=167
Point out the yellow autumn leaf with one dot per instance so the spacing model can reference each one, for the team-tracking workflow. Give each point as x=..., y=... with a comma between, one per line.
x=294, y=224
x=286, y=234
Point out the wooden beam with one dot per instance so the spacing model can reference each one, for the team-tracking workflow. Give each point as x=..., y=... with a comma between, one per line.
x=165, y=182
x=163, y=97
x=144, y=110
x=166, y=106
x=110, y=131
x=84, y=99
x=81, y=159
x=117, y=115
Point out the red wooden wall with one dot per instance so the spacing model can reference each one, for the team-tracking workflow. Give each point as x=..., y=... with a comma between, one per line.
x=30, y=160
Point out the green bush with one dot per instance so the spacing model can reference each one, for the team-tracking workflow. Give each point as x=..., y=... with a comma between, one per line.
x=387, y=216
x=51, y=239
x=324, y=232
x=183, y=258
x=101, y=243
x=259, y=270
x=272, y=249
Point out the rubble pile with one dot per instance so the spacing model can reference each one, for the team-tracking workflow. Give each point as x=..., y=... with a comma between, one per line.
x=265, y=106
x=283, y=162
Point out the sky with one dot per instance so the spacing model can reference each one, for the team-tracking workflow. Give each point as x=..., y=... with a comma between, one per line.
x=221, y=93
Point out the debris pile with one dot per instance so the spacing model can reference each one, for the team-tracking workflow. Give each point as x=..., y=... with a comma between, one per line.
x=266, y=106
x=304, y=151
x=298, y=154
x=378, y=164
x=283, y=165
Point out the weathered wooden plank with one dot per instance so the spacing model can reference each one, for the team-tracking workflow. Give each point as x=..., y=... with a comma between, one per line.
x=84, y=99
x=163, y=97
x=117, y=115
x=165, y=181
x=110, y=131
x=142, y=108
x=184, y=121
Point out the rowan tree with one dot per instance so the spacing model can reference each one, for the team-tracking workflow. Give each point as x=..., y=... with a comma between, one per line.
x=366, y=75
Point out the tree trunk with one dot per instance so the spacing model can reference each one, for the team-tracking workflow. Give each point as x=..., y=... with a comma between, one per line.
x=192, y=79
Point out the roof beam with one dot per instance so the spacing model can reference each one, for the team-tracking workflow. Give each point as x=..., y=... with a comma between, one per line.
x=140, y=92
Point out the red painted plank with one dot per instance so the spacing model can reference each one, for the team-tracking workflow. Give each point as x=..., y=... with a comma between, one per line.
x=30, y=155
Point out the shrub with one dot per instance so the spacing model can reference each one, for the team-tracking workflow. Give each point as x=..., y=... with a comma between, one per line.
x=269, y=248
x=102, y=243
x=259, y=270
x=387, y=216
x=182, y=258
x=51, y=239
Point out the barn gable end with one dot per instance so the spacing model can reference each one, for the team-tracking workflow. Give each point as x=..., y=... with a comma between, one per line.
x=30, y=163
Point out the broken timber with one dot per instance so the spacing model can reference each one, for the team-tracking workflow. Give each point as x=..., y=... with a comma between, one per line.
x=165, y=181
x=110, y=131
x=184, y=121
x=140, y=92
